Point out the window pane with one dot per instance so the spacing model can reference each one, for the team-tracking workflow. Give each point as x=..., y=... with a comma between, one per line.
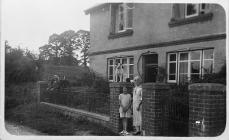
x=131, y=60
x=195, y=67
x=129, y=18
x=191, y=9
x=110, y=70
x=195, y=55
x=117, y=61
x=172, y=77
x=111, y=77
x=208, y=54
x=131, y=69
x=110, y=62
x=183, y=67
x=183, y=56
x=172, y=68
x=124, y=61
x=208, y=66
x=172, y=57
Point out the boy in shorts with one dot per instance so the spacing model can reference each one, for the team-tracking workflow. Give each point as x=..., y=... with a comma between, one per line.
x=125, y=109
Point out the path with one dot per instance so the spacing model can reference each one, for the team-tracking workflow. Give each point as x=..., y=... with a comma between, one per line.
x=20, y=130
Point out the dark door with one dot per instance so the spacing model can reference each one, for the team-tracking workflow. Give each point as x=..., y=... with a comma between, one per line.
x=150, y=67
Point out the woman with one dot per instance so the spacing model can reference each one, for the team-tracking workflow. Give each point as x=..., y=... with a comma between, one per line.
x=137, y=105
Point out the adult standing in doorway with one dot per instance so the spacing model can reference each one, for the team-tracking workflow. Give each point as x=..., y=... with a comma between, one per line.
x=137, y=106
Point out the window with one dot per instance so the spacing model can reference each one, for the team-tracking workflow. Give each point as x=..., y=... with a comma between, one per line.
x=125, y=14
x=127, y=66
x=121, y=20
x=190, y=65
x=190, y=13
x=194, y=9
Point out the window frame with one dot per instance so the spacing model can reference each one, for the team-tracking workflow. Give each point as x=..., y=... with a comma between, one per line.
x=193, y=15
x=189, y=60
x=114, y=64
x=125, y=17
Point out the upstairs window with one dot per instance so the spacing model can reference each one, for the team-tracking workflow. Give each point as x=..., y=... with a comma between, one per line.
x=194, y=9
x=121, y=19
x=190, y=13
x=125, y=14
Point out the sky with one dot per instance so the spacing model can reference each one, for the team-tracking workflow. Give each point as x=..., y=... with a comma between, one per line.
x=29, y=23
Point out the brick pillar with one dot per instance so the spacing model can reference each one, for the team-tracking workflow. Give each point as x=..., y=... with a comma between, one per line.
x=115, y=90
x=153, y=120
x=42, y=86
x=207, y=101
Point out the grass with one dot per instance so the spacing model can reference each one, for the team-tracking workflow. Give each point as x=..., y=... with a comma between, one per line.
x=48, y=122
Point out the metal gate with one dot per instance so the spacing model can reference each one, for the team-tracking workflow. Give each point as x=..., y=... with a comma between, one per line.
x=176, y=112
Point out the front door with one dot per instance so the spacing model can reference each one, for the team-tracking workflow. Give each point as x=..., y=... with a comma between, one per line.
x=150, y=67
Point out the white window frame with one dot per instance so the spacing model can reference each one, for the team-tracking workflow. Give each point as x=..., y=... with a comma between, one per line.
x=178, y=61
x=114, y=64
x=171, y=81
x=125, y=17
x=193, y=15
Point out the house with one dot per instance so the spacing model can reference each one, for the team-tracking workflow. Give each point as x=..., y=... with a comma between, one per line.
x=178, y=41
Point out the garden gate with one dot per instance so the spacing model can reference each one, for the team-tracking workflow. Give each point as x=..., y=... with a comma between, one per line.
x=175, y=108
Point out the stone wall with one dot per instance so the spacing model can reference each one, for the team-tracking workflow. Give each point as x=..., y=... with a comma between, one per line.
x=207, y=109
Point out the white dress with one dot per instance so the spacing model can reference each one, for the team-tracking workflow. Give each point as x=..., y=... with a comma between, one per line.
x=137, y=98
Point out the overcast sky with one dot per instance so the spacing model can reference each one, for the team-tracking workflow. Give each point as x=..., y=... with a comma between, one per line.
x=29, y=23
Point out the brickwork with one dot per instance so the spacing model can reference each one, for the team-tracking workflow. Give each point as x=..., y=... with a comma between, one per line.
x=115, y=90
x=152, y=113
x=207, y=104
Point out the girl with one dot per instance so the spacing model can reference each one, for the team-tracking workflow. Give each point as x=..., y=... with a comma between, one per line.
x=124, y=110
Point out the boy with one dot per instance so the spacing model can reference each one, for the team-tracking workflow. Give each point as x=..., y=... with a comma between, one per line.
x=125, y=109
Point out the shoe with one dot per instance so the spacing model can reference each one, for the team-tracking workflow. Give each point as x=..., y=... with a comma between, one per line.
x=122, y=132
x=126, y=133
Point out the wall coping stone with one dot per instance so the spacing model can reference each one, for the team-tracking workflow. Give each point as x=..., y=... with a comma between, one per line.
x=207, y=87
x=120, y=84
x=156, y=85
x=79, y=111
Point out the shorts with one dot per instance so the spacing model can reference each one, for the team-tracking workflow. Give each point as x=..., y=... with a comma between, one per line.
x=126, y=114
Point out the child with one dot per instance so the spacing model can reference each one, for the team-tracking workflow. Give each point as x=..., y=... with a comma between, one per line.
x=125, y=109
x=137, y=106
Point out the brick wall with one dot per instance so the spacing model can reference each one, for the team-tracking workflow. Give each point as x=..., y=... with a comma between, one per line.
x=207, y=104
x=152, y=113
x=115, y=90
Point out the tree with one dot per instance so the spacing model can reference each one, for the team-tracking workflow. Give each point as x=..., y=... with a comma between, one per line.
x=60, y=49
x=83, y=42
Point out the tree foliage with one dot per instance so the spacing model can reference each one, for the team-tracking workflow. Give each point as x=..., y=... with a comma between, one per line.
x=61, y=48
x=20, y=66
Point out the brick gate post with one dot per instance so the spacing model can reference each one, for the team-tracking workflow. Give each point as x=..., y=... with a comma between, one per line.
x=207, y=109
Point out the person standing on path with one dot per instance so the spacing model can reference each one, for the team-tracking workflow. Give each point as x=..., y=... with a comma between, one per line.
x=137, y=106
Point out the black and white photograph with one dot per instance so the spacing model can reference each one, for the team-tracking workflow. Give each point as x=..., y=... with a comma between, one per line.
x=125, y=69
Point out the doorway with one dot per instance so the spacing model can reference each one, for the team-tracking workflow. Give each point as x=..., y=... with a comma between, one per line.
x=150, y=67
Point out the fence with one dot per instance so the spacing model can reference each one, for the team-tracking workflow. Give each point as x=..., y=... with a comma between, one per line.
x=80, y=98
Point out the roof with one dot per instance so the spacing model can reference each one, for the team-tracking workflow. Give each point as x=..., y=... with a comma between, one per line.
x=95, y=7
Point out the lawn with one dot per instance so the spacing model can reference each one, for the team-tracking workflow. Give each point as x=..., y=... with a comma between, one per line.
x=46, y=121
